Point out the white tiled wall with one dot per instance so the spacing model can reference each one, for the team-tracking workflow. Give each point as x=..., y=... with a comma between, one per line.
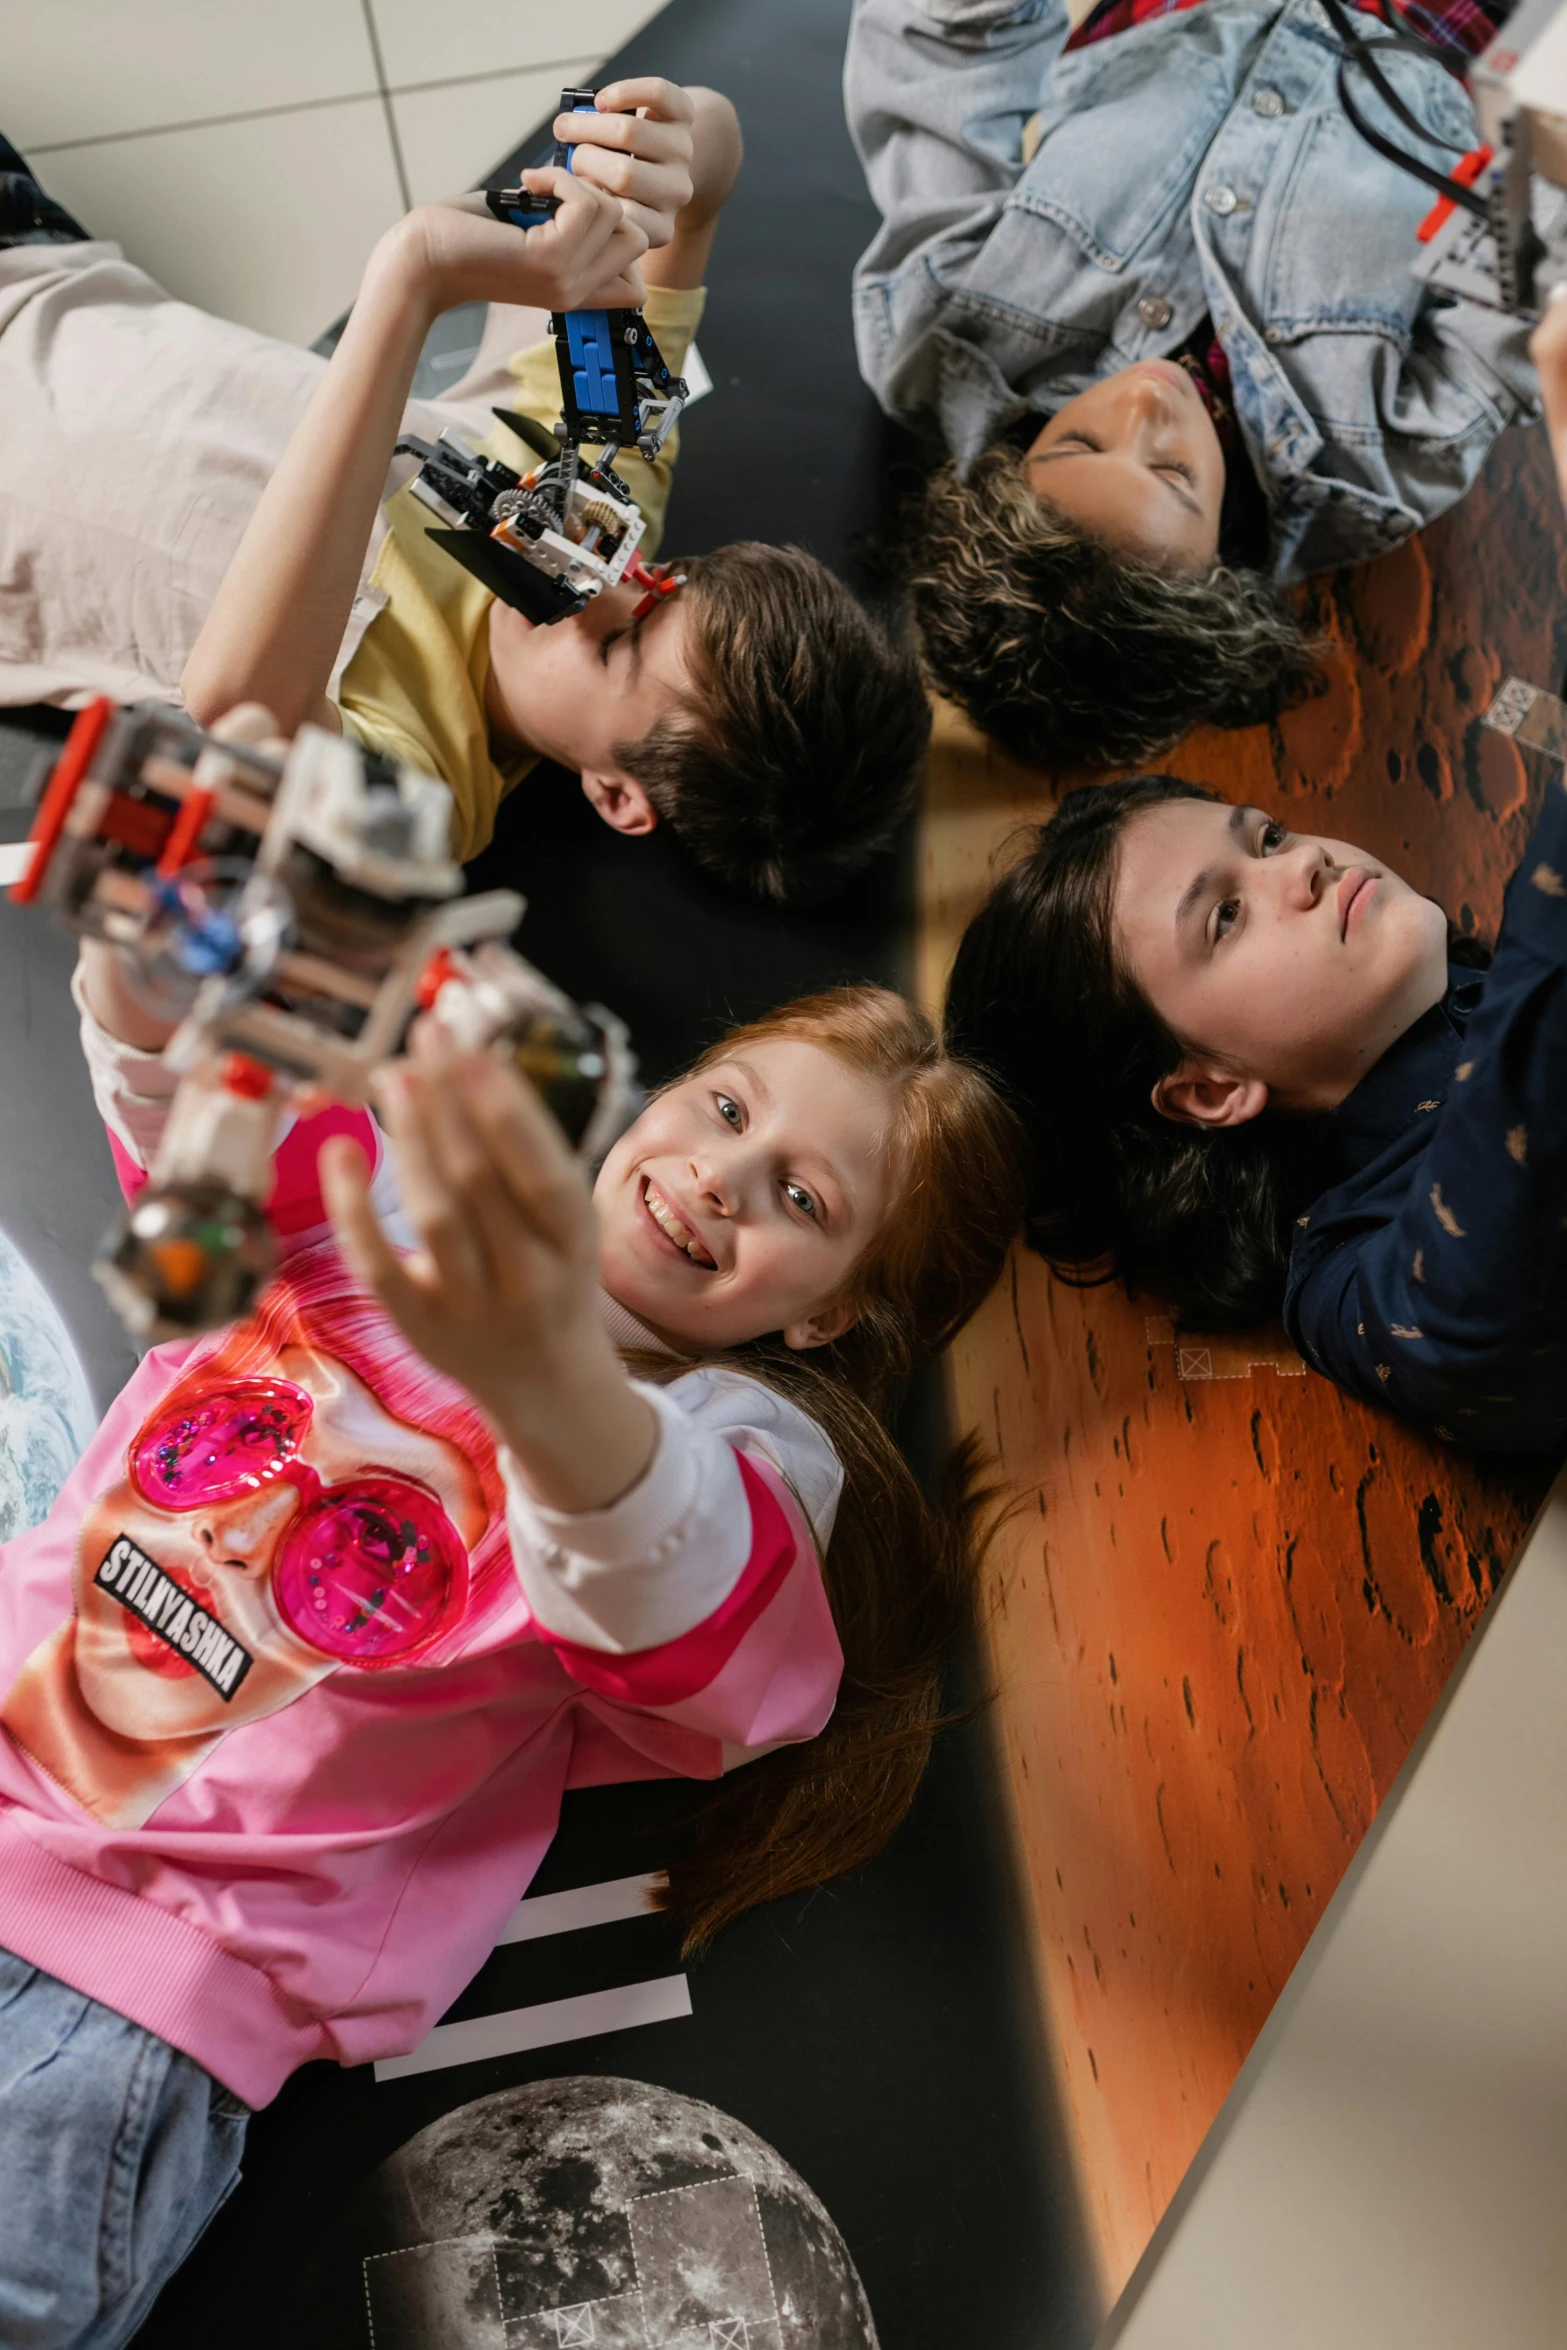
x=249, y=152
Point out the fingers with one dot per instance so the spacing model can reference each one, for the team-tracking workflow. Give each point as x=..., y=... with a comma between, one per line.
x=538, y=1167
x=652, y=194
x=653, y=140
x=439, y=1092
x=590, y=249
x=500, y=1148
x=659, y=100
x=371, y=1258
x=250, y=723
x=449, y=1245
x=642, y=159
x=488, y=1180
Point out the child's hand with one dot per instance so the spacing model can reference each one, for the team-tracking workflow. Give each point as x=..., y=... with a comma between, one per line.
x=1548, y=350
x=638, y=147
x=507, y=1266
x=718, y=153
x=586, y=256
x=503, y=1294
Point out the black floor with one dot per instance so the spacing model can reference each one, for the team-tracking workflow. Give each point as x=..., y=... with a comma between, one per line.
x=877, y=2033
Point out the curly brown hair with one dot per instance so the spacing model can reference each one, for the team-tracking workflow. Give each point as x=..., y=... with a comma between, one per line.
x=1070, y=654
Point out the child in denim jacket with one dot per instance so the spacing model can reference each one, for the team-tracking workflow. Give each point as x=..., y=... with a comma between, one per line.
x=1155, y=293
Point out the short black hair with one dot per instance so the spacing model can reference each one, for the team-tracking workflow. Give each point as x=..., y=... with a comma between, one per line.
x=802, y=758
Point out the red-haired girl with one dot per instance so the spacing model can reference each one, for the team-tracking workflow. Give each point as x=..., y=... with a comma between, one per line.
x=340, y=1601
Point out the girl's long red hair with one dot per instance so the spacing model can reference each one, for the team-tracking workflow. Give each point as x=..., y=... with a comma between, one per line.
x=901, y=1567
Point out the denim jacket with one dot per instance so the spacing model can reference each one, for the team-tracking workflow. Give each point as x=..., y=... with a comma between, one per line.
x=1433, y=1275
x=1198, y=164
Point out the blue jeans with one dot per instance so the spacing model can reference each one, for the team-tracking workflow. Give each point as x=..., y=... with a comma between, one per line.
x=115, y=2151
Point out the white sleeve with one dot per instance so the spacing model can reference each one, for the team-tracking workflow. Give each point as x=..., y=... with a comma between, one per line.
x=666, y=1556
x=132, y=1090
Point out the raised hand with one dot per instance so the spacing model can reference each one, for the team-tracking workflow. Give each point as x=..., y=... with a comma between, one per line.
x=585, y=256
x=502, y=1294
x=638, y=147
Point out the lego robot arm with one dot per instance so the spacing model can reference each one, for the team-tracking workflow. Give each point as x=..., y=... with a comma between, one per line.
x=278, y=619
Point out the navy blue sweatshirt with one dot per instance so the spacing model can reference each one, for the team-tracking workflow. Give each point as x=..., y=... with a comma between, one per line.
x=1433, y=1275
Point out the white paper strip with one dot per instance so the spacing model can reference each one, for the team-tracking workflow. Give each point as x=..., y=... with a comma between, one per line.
x=584, y=1905
x=658, y=2002
x=698, y=382
x=15, y=857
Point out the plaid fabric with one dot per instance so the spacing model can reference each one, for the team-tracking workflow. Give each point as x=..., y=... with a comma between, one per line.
x=1463, y=26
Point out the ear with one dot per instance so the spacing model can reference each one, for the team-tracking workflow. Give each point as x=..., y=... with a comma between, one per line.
x=621, y=802
x=1194, y=1096
x=820, y=1329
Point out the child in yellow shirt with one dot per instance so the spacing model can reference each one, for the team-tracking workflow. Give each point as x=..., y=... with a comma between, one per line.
x=761, y=713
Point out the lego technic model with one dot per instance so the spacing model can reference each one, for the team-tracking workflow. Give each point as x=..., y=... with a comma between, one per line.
x=1497, y=233
x=548, y=540
x=292, y=912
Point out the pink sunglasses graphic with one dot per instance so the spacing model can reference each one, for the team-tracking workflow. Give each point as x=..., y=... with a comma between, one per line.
x=369, y=1571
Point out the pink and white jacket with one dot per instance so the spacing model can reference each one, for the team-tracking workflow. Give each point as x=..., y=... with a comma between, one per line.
x=241, y=1823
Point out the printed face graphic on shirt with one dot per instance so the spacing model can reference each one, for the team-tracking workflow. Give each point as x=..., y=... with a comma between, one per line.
x=266, y=1531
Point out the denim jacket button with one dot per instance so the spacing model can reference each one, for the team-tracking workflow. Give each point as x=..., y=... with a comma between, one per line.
x=1154, y=310
x=1268, y=104
x=1220, y=198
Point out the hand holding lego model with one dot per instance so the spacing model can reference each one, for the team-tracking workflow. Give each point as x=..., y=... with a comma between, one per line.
x=291, y=906
x=503, y=1293
x=441, y=255
x=644, y=136
x=638, y=146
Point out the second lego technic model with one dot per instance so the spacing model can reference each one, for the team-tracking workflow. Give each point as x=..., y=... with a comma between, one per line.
x=292, y=912
x=1497, y=234
x=548, y=540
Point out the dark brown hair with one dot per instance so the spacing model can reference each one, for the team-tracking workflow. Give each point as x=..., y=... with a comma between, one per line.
x=1070, y=654
x=802, y=758
x=900, y=1568
x=1040, y=998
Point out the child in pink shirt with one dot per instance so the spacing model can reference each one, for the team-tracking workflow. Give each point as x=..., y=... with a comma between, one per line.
x=340, y=1600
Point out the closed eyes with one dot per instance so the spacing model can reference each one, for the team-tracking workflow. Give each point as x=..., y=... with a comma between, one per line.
x=1072, y=441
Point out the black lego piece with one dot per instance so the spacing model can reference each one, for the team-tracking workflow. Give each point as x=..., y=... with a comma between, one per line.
x=510, y=576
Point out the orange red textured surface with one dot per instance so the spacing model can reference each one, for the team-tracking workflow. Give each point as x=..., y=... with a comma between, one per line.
x=1229, y=1594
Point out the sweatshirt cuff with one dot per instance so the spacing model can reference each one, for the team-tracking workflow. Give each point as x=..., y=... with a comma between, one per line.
x=131, y=1088
x=655, y=1563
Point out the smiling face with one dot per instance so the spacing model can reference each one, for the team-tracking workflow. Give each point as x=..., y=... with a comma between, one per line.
x=574, y=690
x=223, y=1554
x=742, y=1198
x=1288, y=963
x=1135, y=461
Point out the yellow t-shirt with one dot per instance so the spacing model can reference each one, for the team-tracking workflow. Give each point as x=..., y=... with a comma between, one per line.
x=415, y=688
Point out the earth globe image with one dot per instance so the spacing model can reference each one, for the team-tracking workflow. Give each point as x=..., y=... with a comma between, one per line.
x=46, y=1410
x=588, y=2214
